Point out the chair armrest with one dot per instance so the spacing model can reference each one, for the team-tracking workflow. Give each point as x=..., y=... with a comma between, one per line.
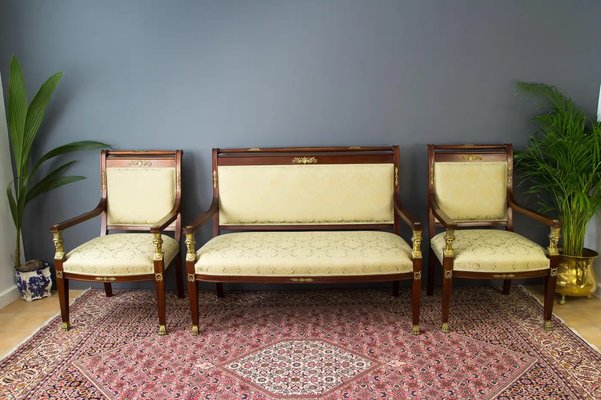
x=166, y=220
x=441, y=216
x=405, y=215
x=532, y=214
x=416, y=226
x=202, y=218
x=555, y=225
x=449, y=225
x=56, y=229
x=80, y=218
x=193, y=226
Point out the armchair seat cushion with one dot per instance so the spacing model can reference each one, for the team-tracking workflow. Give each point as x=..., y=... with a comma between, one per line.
x=316, y=253
x=492, y=250
x=118, y=254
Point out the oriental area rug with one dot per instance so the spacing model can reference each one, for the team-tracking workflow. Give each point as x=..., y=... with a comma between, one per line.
x=313, y=344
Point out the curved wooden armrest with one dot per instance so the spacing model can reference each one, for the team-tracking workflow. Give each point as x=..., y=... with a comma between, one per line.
x=552, y=250
x=532, y=214
x=80, y=218
x=166, y=220
x=441, y=216
x=202, y=218
x=405, y=215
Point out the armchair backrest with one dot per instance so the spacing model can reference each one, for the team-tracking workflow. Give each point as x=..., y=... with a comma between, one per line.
x=287, y=187
x=470, y=183
x=140, y=188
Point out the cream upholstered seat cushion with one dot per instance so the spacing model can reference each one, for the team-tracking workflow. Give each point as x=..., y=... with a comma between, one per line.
x=492, y=250
x=304, y=254
x=118, y=254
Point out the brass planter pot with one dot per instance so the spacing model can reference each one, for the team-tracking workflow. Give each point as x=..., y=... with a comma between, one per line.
x=575, y=276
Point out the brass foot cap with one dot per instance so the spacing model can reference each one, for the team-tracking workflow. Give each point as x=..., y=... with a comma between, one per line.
x=548, y=325
x=162, y=330
x=445, y=327
x=415, y=330
x=65, y=326
x=194, y=330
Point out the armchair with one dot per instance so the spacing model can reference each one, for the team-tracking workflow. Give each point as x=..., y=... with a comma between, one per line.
x=140, y=201
x=471, y=197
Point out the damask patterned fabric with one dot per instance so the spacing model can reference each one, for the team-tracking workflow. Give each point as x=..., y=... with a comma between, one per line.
x=304, y=254
x=118, y=254
x=492, y=250
x=471, y=190
x=306, y=194
x=139, y=195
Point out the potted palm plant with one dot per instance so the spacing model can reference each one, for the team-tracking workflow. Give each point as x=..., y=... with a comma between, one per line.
x=24, y=119
x=562, y=165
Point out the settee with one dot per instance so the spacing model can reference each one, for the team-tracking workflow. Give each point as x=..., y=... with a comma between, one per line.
x=305, y=215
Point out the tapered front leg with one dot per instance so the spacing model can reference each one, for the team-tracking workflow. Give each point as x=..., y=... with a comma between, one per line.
x=191, y=278
x=62, y=285
x=416, y=290
x=550, y=283
x=416, y=287
x=447, y=282
x=159, y=281
x=160, y=292
x=193, y=297
x=447, y=279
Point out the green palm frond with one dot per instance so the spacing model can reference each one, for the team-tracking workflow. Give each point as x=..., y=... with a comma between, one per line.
x=562, y=163
x=24, y=121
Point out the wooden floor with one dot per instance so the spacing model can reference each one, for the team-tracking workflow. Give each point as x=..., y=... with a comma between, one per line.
x=20, y=319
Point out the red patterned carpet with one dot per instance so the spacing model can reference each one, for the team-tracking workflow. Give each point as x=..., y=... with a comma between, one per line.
x=320, y=344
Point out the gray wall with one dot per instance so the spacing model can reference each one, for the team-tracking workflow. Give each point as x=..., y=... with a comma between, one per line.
x=196, y=75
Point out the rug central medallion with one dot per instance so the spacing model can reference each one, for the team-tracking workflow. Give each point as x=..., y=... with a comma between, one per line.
x=299, y=367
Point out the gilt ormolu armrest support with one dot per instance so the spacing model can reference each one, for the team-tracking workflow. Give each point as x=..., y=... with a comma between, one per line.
x=554, y=224
x=449, y=225
x=193, y=226
x=56, y=229
x=416, y=226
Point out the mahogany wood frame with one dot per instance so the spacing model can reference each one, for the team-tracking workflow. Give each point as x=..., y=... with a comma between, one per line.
x=169, y=223
x=438, y=218
x=287, y=156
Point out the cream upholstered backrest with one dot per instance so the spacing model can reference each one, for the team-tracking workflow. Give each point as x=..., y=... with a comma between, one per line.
x=139, y=195
x=472, y=190
x=306, y=194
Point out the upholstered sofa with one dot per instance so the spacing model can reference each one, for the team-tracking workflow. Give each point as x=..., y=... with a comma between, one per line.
x=305, y=215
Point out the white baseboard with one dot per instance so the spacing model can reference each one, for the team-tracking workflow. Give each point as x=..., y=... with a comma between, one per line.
x=9, y=295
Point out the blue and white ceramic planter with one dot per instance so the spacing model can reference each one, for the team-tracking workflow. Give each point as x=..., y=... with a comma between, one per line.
x=35, y=284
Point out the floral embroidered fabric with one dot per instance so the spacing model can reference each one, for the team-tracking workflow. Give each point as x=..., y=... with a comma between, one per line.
x=472, y=191
x=492, y=250
x=305, y=254
x=118, y=254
